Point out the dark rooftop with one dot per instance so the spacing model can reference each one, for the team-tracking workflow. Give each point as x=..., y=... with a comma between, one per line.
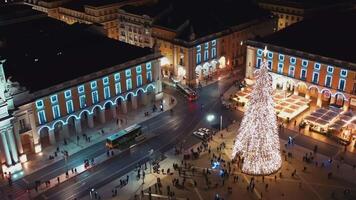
x=150, y=9
x=78, y=5
x=207, y=17
x=331, y=36
x=307, y=4
x=14, y=13
x=44, y=52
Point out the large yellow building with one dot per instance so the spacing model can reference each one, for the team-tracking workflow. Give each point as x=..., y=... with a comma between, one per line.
x=103, y=12
x=197, y=41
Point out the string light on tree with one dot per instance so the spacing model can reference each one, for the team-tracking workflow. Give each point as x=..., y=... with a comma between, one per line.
x=257, y=141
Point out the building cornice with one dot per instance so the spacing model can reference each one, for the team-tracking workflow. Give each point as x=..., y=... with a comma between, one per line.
x=318, y=58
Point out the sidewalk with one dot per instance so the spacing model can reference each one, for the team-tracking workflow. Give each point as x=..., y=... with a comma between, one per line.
x=134, y=185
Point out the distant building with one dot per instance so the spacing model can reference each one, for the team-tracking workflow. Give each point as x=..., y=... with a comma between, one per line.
x=314, y=58
x=61, y=79
x=292, y=11
x=102, y=12
x=197, y=39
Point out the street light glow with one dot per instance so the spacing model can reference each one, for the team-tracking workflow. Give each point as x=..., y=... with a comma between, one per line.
x=210, y=117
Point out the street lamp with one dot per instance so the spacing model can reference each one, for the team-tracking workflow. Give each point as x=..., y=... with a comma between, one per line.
x=210, y=117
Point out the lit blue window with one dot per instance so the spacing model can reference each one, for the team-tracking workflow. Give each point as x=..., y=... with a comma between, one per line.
x=259, y=62
x=342, y=84
x=149, y=76
x=128, y=84
x=41, y=117
x=317, y=66
x=82, y=101
x=70, y=107
x=213, y=43
x=148, y=66
x=93, y=85
x=269, y=64
x=54, y=99
x=270, y=55
x=303, y=74
x=280, y=68
x=198, y=58
x=291, y=71
x=328, y=81
x=292, y=60
x=106, y=92
x=304, y=63
x=56, y=112
x=118, y=88
x=281, y=57
x=343, y=73
x=68, y=94
x=106, y=81
x=198, y=48
x=315, y=77
x=330, y=69
x=39, y=104
x=259, y=52
x=206, y=55
x=213, y=52
x=206, y=46
x=95, y=97
x=138, y=69
x=139, y=80
x=81, y=89
x=128, y=73
x=117, y=77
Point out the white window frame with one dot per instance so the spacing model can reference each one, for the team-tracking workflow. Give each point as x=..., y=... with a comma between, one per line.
x=259, y=52
x=213, y=52
x=341, y=73
x=68, y=94
x=128, y=73
x=118, y=87
x=290, y=70
x=317, y=82
x=280, y=69
x=80, y=101
x=293, y=58
x=69, y=102
x=317, y=68
x=42, y=104
x=305, y=61
x=338, y=87
x=39, y=113
x=93, y=95
x=137, y=80
x=106, y=80
x=258, y=66
x=269, y=64
x=93, y=85
x=332, y=69
x=206, y=55
x=81, y=89
x=148, y=66
x=127, y=84
x=106, y=92
x=117, y=77
x=138, y=69
x=54, y=113
x=331, y=80
x=270, y=55
x=281, y=57
x=301, y=74
x=56, y=99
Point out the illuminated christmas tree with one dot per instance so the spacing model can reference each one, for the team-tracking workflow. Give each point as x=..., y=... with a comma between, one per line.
x=257, y=141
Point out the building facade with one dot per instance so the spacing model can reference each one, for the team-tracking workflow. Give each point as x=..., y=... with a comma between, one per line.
x=84, y=11
x=193, y=51
x=305, y=74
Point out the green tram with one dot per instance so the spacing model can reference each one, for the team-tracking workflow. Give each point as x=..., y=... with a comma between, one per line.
x=125, y=137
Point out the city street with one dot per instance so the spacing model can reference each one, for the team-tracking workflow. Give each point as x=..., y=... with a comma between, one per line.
x=170, y=130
